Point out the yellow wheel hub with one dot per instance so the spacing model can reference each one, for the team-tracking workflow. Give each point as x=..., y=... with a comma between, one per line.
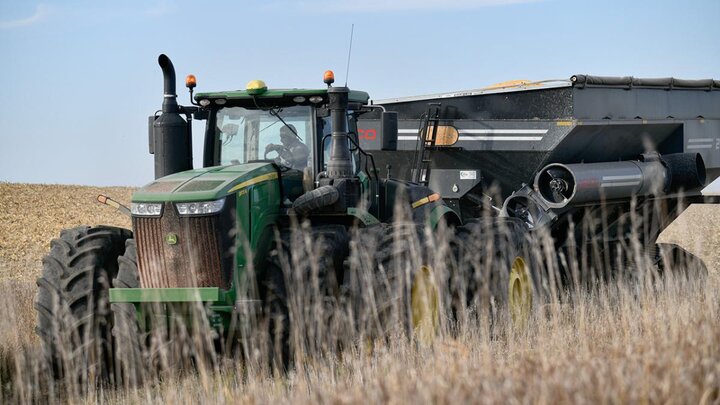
x=520, y=294
x=424, y=305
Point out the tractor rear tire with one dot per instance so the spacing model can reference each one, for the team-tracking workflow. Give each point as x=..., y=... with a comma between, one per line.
x=394, y=288
x=293, y=289
x=74, y=318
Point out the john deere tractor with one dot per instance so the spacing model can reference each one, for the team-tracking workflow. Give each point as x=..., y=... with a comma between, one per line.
x=219, y=237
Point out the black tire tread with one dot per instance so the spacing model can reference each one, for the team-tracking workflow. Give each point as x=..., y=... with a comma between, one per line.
x=380, y=286
x=73, y=293
x=131, y=366
x=485, y=275
x=329, y=247
x=315, y=199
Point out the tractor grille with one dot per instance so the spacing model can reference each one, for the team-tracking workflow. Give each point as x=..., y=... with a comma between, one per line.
x=194, y=260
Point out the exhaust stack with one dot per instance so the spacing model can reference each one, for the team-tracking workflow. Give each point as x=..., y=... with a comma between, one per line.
x=170, y=104
x=171, y=135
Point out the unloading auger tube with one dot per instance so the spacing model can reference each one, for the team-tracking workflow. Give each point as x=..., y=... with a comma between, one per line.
x=560, y=185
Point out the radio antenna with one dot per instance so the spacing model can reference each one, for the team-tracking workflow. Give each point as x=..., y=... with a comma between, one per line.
x=347, y=70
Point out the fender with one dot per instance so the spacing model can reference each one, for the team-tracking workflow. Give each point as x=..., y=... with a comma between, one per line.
x=440, y=212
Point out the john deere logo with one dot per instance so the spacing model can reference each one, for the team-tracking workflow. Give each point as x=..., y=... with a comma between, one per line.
x=171, y=239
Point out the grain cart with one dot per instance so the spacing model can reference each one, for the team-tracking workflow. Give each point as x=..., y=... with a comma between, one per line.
x=551, y=156
x=271, y=157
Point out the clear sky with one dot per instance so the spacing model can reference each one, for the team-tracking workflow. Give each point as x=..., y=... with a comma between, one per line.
x=79, y=78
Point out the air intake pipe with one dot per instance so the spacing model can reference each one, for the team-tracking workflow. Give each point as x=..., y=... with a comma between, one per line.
x=340, y=163
x=171, y=135
x=561, y=185
x=339, y=187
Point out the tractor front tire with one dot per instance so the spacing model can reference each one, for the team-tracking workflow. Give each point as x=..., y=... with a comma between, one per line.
x=74, y=318
x=164, y=343
x=130, y=366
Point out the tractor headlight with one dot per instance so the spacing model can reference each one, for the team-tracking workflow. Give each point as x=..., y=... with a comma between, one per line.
x=200, y=207
x=146, y=209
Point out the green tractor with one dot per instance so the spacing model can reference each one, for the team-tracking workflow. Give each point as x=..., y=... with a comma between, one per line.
x=219, y=239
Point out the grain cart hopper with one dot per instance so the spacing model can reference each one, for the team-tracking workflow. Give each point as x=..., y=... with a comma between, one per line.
x=271, y=157
x=546, y=154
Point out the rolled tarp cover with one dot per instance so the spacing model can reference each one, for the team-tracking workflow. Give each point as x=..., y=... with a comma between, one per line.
x=628, y=82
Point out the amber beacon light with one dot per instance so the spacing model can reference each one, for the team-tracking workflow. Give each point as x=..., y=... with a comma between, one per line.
x=329, y=77
x=190, y=81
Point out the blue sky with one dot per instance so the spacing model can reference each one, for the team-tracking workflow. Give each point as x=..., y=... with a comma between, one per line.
x=79, y=78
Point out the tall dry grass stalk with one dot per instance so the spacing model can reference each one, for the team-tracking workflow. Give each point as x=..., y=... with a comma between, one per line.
x=632, y=334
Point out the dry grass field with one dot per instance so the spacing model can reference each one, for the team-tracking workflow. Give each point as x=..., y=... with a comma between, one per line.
x=650, y=342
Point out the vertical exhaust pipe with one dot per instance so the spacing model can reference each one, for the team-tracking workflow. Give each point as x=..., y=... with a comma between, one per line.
x=169, y=104
x=171, y=138
x=340, y=163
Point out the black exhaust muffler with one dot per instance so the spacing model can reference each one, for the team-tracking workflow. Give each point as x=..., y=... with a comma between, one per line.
x=171, y=135
x=561, y=185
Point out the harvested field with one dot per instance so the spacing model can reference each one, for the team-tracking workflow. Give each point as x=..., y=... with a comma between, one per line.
x=31, y=215
x=616, y=344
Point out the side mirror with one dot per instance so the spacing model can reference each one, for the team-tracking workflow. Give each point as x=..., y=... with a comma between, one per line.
x=201, y=115
x=323, y=112
x=151, y=134
x=389, y=130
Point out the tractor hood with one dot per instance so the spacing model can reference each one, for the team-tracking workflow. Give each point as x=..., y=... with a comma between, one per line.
x=205, y=184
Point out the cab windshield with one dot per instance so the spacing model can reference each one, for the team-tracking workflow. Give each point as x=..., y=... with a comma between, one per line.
x=282, y=134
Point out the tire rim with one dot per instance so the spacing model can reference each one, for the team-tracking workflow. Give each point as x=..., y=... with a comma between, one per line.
x=520, y=292
x=424, y=305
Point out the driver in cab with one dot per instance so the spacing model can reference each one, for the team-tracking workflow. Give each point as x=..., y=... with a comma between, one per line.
x=292, y=151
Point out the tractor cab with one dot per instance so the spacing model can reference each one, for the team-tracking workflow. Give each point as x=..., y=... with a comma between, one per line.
x=290, y=128
x=270, y=155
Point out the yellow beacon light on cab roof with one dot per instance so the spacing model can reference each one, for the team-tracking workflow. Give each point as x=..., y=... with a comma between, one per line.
x=255, y=87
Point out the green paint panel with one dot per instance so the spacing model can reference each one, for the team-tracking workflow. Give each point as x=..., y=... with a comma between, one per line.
x=205, y=184
x=440, y=211
x=364, y=216
x=204, y=294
